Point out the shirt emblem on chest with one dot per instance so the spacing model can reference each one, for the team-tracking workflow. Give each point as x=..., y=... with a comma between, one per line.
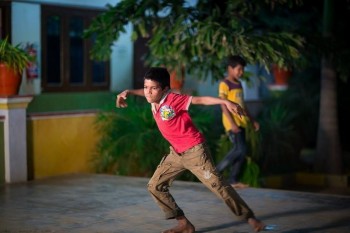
x=167, y=113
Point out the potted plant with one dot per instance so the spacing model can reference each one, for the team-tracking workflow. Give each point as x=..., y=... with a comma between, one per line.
x=281, y=74
x=177, y=79
x=13, y=60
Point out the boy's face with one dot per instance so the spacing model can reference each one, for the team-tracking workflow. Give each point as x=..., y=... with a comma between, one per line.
x=235, y=72
x=153, y=91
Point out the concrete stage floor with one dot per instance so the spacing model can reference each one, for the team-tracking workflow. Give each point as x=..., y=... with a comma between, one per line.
x=85, y=203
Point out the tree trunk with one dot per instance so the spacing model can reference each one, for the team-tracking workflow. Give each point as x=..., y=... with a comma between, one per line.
x=328, y=157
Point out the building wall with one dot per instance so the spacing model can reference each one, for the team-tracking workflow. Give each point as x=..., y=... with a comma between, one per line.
x=26, y=24
x=71, y=102
x=60, y=127
x=2, y=153
x=61, y=144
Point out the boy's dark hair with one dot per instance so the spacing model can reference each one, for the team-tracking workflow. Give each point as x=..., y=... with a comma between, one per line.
x=160, y=75
x=235, y=60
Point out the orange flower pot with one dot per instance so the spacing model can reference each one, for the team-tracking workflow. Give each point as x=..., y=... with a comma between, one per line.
x=281, y=75
x=177, y=81
x=10, y=81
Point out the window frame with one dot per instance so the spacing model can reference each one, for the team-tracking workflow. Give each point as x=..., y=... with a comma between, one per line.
x=65, y=86
x=5, y=27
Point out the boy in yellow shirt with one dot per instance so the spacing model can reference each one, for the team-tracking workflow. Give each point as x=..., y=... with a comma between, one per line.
x=231, y=89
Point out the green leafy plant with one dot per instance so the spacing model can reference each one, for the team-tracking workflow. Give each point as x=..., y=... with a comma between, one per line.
x=13, y=56
x=251, y=169
x=130, y=143
x=251, y=173
x=199, y=35
x=254, y=142
x=279, y=154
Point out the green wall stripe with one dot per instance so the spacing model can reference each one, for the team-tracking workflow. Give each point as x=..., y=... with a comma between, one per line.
x=56, y=102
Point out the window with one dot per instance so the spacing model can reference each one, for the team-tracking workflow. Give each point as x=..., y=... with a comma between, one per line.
x=5, y=20
x=66, y=66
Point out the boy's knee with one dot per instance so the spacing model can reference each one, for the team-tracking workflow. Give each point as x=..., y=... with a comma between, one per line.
x=151, y=187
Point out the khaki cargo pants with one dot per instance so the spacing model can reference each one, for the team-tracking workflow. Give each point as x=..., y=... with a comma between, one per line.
x=199, y=161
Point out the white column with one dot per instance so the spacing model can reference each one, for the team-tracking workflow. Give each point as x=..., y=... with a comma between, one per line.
x=15, y=137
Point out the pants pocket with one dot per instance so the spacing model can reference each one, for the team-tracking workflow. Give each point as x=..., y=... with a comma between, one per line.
x=199, y=157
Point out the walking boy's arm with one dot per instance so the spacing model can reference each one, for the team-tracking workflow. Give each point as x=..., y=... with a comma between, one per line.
x=229, y=117
x=120, y=100
x=208, y=100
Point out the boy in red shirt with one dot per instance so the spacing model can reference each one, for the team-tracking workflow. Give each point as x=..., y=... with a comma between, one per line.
x=188, y=150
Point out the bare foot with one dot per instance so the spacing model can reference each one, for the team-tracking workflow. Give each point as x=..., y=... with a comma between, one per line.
x=256, y=224
x=183, y=226
x=239, y=185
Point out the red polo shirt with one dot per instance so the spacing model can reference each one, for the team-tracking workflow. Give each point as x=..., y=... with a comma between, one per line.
x=175, y=123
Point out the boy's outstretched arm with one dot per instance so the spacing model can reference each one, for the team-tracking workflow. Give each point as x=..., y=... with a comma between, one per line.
x=208, y=100
x=121, y=97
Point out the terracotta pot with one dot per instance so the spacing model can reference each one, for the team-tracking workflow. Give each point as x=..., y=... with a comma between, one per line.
x=281, y=75
x=9, y=81
x=177, y=81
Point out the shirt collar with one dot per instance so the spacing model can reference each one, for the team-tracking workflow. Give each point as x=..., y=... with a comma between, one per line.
x=161, y=101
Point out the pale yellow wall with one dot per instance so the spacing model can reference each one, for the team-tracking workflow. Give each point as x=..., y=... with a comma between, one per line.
x=62, y=144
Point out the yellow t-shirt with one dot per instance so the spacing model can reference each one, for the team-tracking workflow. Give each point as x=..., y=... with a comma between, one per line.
x=232, y=91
